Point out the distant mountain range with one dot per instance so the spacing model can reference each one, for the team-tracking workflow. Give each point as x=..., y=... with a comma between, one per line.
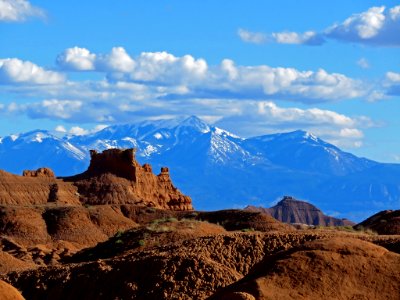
x=221, y=170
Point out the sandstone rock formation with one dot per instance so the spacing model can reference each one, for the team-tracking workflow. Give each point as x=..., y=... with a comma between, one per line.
x=290, y=210
x=115, y=177
x=36, y=188
x=154, y=263
x=117, y=231
x=41, y=172
x=234, y=219
x=8, y=292
x=324, y=269
x=384, y=222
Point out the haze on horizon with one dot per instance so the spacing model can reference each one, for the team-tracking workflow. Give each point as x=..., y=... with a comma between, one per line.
x=254, y=67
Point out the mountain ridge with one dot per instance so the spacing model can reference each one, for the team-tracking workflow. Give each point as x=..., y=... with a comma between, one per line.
x=221, y=170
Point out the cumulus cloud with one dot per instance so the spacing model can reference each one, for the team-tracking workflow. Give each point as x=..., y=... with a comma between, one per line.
x=310, y=38
x=152, y=84
x=118, y=60
x=18, y=11
x=378, y=26
x=243, y=117
x=186, y=76
x=16, y=71
x=392, y=83
x=60, y=128
x=51, y=109
x=363, y=63
x=79, y=59
x=76, y=130
x=393, y=77
x=251, y=37
x=159, y=67
x=163, y=67
x=267, y=117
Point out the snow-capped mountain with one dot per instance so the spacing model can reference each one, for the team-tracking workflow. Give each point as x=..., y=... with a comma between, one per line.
x=301, y=150
x=40, y=148
x=221, y=170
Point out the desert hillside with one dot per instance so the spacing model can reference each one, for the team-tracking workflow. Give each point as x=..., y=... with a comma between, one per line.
x=117, y=231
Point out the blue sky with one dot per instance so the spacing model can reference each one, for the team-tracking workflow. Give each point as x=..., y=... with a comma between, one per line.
x=252, y=67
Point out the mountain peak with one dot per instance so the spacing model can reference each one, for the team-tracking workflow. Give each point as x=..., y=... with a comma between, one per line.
x=195, y=123
x=32, y=136
x=301, y=134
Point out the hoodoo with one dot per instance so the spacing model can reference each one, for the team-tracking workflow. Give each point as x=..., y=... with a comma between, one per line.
x=115, y=177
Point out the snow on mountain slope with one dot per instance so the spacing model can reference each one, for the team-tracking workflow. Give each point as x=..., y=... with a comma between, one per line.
x=303, y=151
x=219, y=169
x=40, y=148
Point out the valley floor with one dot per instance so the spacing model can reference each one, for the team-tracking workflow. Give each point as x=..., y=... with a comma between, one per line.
x=158, y=254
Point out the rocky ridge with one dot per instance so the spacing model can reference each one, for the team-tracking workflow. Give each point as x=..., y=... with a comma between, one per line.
x=293, y=211
x=113, y=177
x=108, y=234
x=384, y=222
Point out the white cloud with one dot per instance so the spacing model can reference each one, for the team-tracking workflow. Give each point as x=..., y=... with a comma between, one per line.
x=267, y=117
x=52, y=109
x=307, y=38
x=243, y=117
x=377, y=26
x=76, y=58
x=239, y=97
x=364, y=25
x=118, y=61
x=161, y=75
x=60, y=128
x=363, y=63
x=99, y=127
x=393, y=77
x=163, y=67
x=251, y=37
x=173, y=76
x=76, y=130
x=16, y=71
x=18, y=11
x=263, y=82
x=81, y=59
x=314, y=116
x=392, y=83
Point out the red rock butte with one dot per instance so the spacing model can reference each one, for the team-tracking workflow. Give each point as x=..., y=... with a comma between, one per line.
x=113, y=177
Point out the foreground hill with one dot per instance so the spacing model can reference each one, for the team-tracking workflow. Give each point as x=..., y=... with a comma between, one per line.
x=193, y=260
x=336, y=268
x=384, y=222
x=117, y=231
x=292, y=211
x=221, y=170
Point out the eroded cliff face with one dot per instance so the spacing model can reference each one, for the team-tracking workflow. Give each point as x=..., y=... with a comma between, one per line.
x=113, y=177
x=36, y=188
